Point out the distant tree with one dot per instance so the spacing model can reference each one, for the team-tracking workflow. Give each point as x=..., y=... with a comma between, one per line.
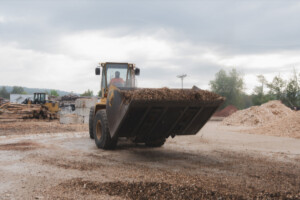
x=230, y=85
x=4, y=93
x=100, y=93
x=292, y=91
x=17, y=90
x=246, y=101
x=87, y=93
x=287, y=91
x=54, y=93
x=259, y=95
x=277, y=87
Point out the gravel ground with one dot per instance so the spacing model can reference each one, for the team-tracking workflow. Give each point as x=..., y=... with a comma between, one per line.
x=218, y=163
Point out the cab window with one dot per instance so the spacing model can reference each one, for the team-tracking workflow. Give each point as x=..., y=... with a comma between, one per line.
x=116, y=74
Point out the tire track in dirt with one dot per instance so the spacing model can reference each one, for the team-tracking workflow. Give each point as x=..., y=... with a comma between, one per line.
x=20, y=146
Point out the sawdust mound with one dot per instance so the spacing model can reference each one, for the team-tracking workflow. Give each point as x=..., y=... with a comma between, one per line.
x=272, y=118
x=259, y=115
x=288, y=126
x=166, y=94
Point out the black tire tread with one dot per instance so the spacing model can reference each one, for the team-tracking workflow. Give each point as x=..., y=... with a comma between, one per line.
x=91, y=120
x=105, y=142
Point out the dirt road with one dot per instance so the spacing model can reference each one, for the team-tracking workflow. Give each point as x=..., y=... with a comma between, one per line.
x=217, y=163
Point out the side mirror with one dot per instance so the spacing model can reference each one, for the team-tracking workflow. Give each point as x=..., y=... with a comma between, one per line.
x=137, y=71
x=97, y=71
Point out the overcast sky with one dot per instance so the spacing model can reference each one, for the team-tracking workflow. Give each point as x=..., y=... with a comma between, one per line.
x=57, y=44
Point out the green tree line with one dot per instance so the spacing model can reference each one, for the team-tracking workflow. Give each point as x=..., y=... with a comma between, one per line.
x=88, y=93
x=16, y=90
x=20, y=90
x=230, y=84
x=287, y=91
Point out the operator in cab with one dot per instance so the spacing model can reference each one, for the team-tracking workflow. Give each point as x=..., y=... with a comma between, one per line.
x=117, y=81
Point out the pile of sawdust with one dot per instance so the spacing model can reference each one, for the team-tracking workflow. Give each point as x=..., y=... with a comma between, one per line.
x=272, y=118
x=166, y=94
x=259, y=115
x=288, y=126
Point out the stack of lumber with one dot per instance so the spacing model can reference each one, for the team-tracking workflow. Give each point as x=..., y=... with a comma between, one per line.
x=17, y=112
x=3, y=101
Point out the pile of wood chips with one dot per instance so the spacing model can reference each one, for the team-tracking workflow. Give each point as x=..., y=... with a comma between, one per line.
x=12, y=112
x=272, y=118
x=288, y=126
x=166, y=94
x=259, y=115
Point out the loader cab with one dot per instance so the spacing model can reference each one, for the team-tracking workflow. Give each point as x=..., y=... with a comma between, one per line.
x=121, y=75
x=39, y=98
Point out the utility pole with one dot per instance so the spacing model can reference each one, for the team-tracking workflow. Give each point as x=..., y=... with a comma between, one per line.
x=181, y=77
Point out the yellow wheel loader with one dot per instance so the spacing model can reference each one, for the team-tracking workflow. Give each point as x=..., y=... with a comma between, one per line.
x=145, y=115
x=49, y=109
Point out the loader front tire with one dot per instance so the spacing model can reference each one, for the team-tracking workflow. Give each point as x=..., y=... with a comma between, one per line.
x=91, y=124
x=102, y=136
x=155, y=143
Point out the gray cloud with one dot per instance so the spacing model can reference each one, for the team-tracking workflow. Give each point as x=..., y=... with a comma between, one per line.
x=233, y=25
x=191, y=29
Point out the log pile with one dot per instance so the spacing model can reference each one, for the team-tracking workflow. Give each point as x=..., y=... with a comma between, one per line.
x=68, y=101
x=69, y=97
x=12, y=112
x=3, y=101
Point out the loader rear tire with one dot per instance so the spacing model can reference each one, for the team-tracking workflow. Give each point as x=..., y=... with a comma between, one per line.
x=155, y=143
x=91, y=124
x=102, y=136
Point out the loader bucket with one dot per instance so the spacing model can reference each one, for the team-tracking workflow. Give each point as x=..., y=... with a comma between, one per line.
x=159, y=113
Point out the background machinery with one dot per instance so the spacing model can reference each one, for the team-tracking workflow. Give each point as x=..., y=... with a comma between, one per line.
x=49, y=109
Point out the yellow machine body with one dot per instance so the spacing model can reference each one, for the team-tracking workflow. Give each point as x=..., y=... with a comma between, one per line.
x=147, y=120
x=52, y=106
x=40, y=98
